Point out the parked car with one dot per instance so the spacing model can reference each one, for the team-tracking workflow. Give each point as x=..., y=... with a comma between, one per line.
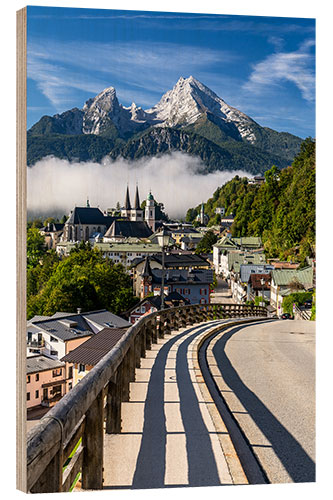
x=287, y=316
x=308, y=304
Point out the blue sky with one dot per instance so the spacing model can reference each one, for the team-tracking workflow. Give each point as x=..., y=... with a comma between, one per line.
x=263, y=66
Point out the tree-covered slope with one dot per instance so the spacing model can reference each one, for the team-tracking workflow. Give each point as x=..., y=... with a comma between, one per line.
x=281, y=211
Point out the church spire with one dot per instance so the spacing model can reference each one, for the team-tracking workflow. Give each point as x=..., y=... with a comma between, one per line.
x=127, y=201
x=137, y=199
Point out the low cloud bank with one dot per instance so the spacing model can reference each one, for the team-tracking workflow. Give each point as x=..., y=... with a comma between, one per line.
x=55, y=186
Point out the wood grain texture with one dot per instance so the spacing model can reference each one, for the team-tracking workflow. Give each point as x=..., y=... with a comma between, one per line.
x=21, y=214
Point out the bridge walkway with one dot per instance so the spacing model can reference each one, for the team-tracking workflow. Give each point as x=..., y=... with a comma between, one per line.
x=172, y=433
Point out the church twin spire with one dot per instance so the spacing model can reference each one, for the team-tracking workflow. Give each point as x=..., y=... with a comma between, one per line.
x=136, y=200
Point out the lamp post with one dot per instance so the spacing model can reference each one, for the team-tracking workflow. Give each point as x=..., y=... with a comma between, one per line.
x=262, y=281
x=163, y=239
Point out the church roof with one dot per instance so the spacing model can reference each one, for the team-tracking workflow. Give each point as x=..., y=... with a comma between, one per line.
x=128, y=229
x=89, y=215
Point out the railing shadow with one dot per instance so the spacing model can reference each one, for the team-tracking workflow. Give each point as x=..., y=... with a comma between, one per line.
x=298, y=464
x=150, y=466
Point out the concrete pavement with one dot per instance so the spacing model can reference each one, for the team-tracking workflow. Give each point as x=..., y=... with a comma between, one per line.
x=172, y=434
x=266, y=375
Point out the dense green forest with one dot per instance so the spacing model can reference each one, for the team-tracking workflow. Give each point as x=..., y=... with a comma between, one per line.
x=281, y=211
x=83, y=279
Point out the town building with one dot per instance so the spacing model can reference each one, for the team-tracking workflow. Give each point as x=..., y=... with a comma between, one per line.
x=84, y=222
x=45, y=381
x=88, y=354
x=172, y=260
x=152, y=304
x=120, y=230
x=192, y=284
x=286, y=281
x=52, y=233
x=226, y=245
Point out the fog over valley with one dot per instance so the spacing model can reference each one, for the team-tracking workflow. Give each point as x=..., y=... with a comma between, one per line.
x=55, y=186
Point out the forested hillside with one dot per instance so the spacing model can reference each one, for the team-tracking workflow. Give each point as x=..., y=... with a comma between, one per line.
x=281, y=211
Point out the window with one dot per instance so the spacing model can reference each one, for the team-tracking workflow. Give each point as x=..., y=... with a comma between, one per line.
x=28, y=379
x=57, y=373
x=37, y=394
x=54, y=353
x=143, y=309
x=56, y=390
x=37, y=377
x=28, y=396
x=70, y=372
x=82, y=368
x=53, y=339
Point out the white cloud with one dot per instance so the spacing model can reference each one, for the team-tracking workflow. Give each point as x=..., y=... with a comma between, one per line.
x=296, y=67
x=56, y=186
x=145, y=68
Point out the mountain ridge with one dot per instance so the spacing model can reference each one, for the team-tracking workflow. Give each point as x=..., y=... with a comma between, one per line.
x=189, y=107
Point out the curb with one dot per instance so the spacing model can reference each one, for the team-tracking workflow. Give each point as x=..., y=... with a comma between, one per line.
x=235, y=467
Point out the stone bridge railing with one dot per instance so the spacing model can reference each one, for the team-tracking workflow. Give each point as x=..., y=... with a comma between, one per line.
x=75, y=426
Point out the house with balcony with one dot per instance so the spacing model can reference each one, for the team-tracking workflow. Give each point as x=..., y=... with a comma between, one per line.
x=45, y=381
x=59, y=334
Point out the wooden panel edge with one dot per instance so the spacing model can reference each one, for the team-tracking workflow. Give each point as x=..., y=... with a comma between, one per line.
x=21, y=197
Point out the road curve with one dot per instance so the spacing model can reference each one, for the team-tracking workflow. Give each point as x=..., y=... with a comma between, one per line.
x=266, y=375
x=172, y=434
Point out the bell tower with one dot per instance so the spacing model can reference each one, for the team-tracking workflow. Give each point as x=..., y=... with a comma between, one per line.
x=150, y=211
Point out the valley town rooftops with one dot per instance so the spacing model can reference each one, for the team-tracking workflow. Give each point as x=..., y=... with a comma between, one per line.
x=70, y=326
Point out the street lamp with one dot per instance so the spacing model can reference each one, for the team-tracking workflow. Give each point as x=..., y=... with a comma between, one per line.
x=262, y=281
x=163, y=240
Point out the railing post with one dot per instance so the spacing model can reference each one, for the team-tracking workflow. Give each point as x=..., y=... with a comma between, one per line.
x=142, y=339
x=92, y=442
x=125, y=375
x=167, y=324
x=131, y=353
x=154, y=330
x=51, y=479
x=174, y=320
x=160, y=322
x=113, y=404
x=148, y=334
x=137, y=350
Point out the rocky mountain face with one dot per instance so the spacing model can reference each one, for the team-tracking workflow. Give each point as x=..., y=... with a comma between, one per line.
x=188, y=118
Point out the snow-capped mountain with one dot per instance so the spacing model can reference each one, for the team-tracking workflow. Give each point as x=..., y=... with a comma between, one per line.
x=189, y=100
x=194, y=120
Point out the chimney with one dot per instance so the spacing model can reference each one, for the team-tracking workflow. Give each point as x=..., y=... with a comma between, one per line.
x=79, y=310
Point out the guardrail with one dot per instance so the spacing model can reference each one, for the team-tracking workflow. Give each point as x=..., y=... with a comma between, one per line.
x=75, y=426
x=303, y=313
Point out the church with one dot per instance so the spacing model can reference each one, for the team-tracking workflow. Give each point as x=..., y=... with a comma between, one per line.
x=88, y=222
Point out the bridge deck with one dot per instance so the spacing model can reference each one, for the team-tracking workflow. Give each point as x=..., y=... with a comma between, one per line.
x=171, y=433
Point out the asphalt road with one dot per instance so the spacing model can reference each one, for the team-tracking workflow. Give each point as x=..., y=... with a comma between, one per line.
x=268, y=383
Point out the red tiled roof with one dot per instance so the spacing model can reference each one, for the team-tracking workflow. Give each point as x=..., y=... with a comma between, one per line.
x=255, y=280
